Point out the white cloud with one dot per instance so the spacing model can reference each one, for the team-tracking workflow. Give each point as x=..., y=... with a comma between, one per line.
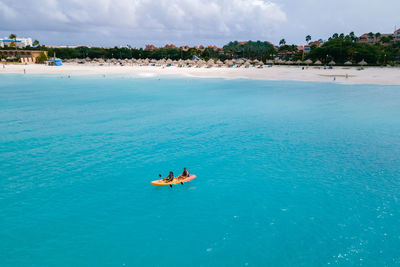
x=150, y=19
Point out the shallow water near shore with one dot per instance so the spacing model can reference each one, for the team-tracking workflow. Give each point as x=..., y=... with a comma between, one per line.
x=288, y=173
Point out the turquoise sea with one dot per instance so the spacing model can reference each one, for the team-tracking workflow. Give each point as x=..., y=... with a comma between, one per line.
x=289, y=173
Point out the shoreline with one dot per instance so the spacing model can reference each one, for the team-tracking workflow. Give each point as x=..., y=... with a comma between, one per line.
x=343, y=75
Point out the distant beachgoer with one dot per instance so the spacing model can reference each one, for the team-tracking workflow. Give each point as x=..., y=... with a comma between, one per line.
x=347, y=76
x=334, y=78
x=169, y=178
x=24, y=71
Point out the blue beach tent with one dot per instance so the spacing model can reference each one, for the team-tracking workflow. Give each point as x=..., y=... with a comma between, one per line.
x=55, y=62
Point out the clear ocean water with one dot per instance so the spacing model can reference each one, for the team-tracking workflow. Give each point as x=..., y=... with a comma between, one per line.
x=289, y=173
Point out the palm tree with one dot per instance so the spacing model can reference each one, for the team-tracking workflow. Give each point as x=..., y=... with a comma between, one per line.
x=371, y=35
x=352, y=36
x=282, y=42
x=377, y=36
x=13, y=37
x=35, y=43
x=308, y=38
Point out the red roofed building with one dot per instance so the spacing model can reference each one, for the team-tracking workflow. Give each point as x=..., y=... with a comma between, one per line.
x=170, y=46
x=185, y=48
x=366, y=38
x=307, y=48
x=150, y=48
x=201, y=48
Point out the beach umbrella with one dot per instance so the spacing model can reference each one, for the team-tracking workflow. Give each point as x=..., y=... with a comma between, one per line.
x=181, y=63
x=308, y=61
x=210, y=63
x=363, y=62
x=228, y=63
x=318, y=62
x=247, y=64
x=332, y=62
x=348, y=63
x=299, y=61
x=219, y=63
x=289, y=62
x=270, y=61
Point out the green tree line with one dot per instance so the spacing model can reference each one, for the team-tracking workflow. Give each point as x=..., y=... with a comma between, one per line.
x=339, y=47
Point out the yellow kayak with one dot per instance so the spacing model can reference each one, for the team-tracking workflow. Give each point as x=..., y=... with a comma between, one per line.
x=176, y=180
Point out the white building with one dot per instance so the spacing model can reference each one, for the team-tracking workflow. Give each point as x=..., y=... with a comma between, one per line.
x=20, y=42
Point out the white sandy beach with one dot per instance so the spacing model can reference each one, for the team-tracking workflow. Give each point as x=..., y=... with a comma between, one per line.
x=370, y=75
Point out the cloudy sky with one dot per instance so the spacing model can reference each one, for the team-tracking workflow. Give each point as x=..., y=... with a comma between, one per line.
x=140, y=22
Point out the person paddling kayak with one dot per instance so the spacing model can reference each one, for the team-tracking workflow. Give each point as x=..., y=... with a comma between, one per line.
x=185, y=173
x=169, y=178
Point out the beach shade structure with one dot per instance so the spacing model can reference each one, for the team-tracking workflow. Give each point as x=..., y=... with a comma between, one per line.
x=256, y=61
x=308, y=61
x=168, y=62
x=199, y=63
x=318, y=62
x=270, y=61
x=229, y=63
x=348, y=63
x=332, y=62
x=219, y=63
x=362, y=63
x=260, y=64
x=289, y=62
x=299, y=62
x=210, y=63
x=247, y=64
x=181, y=63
